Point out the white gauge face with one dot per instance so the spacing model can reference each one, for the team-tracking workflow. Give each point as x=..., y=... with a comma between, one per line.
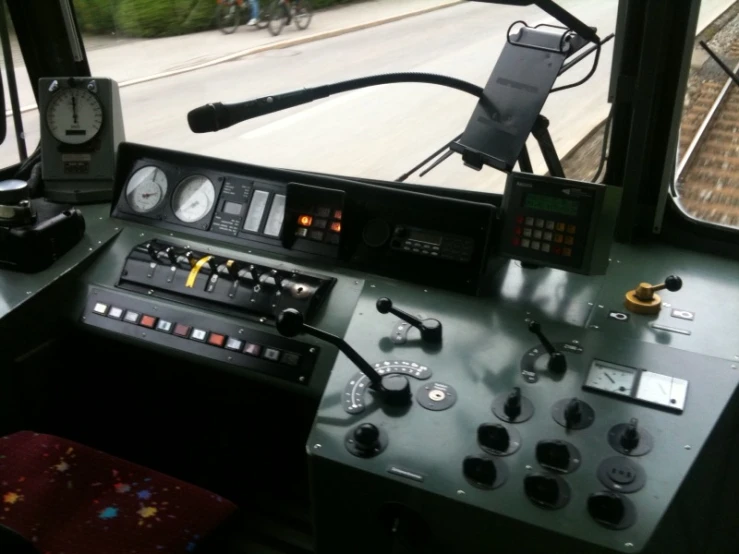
x=610, y=377
x=193, y=199
x=74, y=116
x=146, y=189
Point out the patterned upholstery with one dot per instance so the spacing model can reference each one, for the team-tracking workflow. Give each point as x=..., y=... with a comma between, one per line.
x=66, y=498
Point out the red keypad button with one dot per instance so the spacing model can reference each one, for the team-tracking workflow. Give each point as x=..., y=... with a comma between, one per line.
x=519, y=219
x=216, y=339
x=148, y=321
x=516, y=241
x=181, y=330
x=518, y=230
x=557, y=250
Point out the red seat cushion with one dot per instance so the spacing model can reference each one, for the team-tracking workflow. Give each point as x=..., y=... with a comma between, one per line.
x=68, y=498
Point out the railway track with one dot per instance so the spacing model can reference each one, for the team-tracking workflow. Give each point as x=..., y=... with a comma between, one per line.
x=708, y=171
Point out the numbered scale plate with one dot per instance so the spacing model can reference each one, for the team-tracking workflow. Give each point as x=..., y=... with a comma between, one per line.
x=356, y=389
x=534, y=361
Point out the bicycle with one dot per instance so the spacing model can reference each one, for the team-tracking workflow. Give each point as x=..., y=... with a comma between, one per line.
x=282, y=12
x=229, y=15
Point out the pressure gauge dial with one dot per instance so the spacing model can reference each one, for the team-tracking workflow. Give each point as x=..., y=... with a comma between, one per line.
x=193, y=199
x=146, y=189
x=74, y=115
x=612, y=378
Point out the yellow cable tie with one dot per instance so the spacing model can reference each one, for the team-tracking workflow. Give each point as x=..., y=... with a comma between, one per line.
x=195, y=270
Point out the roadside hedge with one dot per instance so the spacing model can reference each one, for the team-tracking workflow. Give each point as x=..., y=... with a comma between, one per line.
x=154, y=18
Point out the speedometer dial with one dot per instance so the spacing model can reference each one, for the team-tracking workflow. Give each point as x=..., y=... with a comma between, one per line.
x=146, y=189
x=74, y=116
x=193, y=199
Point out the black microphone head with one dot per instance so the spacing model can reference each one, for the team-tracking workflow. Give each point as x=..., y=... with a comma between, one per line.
x=204, y=119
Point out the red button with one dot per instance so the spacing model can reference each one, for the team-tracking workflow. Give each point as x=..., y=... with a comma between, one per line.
x=216, y=340
x=148, y=321
x=557, y=250
x=516, y=241
x=519, y=219
x=181, y=330
x=518, y=230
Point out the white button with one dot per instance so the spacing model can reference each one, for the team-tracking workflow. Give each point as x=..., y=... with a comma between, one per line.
x=527, y=232
x=547, y=236
x=539, y=223
x=537, y=234
x=272, y=354
x=535, y=245
x=132, y=317
x=100, y=308
x=550, y=225
x=545, y=247
x=525, y=243
x=198, y=334
x=234, y=344
x=529, y=221
x=164, y=326
x=115, y=313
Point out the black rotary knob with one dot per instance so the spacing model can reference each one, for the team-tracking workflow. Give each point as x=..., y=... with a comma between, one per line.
x=630, y=436
x=512, y=406
x=290, y=322
x=481, y=471
x=366, y=436
x=611, y=510
x=546, y=491
x=493, y=436
x=573, y=413
x=673, y=283
x=396, y=390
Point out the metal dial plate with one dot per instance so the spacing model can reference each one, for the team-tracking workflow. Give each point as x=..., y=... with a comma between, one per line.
x=356, y=389
x=534, y=361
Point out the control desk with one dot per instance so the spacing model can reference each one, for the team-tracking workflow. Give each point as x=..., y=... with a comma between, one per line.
x=463, y=400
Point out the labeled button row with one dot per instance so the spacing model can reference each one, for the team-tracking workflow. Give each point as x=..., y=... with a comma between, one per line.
x=199, y=335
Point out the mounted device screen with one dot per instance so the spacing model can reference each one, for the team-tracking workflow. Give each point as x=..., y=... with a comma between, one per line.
x=547, y=203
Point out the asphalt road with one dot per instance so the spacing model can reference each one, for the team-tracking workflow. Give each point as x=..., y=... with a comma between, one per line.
x=379, y=132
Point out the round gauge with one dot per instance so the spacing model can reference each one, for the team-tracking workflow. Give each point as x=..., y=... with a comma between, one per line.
x=74, y=116
x=146, y=189
x=193, y=198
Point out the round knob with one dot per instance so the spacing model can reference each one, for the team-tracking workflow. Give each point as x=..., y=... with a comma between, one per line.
x=13, y=191
x=396, y=390
x=480, y=470
x=290, y=323
x=535, y=327
x=431, y=330
x=493, y=436
x=384, y=305
x=366, y=436
x=673, y=283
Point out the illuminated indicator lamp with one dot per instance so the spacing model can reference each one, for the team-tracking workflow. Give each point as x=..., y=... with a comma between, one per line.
x=305, y=220
x=337, y=214
x=336, y=227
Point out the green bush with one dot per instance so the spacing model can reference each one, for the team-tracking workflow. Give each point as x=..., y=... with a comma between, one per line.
x=155, y=18
x=158, y=18
x=96, y=16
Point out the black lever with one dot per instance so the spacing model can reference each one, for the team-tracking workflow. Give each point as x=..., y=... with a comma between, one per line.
x=430, y=328
x=557, y=362
x=395, y=389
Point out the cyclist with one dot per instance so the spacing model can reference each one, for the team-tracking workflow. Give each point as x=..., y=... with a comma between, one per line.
x=254, y=12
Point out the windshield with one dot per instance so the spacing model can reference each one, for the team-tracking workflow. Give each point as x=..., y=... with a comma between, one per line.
x=170, y=56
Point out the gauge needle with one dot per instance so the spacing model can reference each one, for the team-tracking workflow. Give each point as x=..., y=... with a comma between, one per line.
x=74, y=108
x=610, y=379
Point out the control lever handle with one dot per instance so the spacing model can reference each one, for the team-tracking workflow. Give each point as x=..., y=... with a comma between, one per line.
x=430, y=328
x=644, y=300
x=557, y=362
x=395, y=389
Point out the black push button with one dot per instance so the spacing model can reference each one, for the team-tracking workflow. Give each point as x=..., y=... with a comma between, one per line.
x=481, y=471
x=611, y=510
x=547, y=491
x=553, y=454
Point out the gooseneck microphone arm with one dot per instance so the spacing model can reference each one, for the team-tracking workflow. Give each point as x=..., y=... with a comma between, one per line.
x=218, y=116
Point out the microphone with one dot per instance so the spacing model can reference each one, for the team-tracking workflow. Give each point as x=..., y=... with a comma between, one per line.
x=214, y=117
x=558, y=13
